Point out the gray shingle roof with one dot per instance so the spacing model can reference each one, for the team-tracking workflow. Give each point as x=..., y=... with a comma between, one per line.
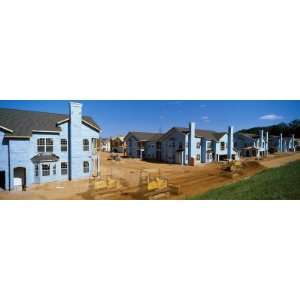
x=145, y=136
x=207, y=134
x=22, y=122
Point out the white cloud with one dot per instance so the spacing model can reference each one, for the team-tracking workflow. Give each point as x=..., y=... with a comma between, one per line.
x=271, y=117
x=205, y=119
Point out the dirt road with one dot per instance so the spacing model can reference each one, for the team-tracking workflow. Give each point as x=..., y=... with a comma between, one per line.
x=192, y=180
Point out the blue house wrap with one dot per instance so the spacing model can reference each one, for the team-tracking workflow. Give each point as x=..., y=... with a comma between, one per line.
x=39, y=147
x=181, y=145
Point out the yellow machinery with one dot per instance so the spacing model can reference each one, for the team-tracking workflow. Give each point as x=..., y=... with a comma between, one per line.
x=157, y=183
x=151, y=182
x=232, y=166
x=105, y=183
x=154, y=186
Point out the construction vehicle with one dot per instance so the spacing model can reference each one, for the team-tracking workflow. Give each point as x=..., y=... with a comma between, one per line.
x=155, y=186
x=232, y=166
x=115, y=156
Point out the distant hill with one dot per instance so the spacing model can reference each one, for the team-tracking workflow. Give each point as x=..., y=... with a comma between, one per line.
x=287, y=129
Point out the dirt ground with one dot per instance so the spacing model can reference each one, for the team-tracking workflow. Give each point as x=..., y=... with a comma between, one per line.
x=190, y=180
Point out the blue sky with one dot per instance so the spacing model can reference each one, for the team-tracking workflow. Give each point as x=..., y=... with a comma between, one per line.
x=119, y=117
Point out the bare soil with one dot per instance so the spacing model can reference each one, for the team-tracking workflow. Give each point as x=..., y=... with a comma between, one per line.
x=192, y=180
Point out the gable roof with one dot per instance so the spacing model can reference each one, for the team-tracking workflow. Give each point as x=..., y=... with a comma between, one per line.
x=22, y=123
x=145, y=136
x=207, y=134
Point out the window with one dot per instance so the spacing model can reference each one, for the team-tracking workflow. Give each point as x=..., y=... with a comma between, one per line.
x=49, y=145
x=45, y=169
x=86, y=168
x=198, y=145
x=64, y=168
x=222, y=145
x=36, y=170
x=54, y=169
x=94, y=145
x=45, y=145
x=198, y=157
x=41, y=145
x=86, y=145
x=209, y=144
x=63, y=145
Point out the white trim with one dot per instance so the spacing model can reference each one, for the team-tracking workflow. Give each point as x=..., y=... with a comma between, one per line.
x=6, y=129
x=17, y=137
x=62, y=121
x=83, y=121
x=93, y=126
x=47, y=131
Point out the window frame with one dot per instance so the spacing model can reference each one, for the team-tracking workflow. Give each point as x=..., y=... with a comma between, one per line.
x=86, y=146
x=49, y=143
x=36, y=170
x=86, y=169
x=46, y=172
x=222, y=146
x=40, y=145
x=65, y=169
x=45, y=145
x=63, y=147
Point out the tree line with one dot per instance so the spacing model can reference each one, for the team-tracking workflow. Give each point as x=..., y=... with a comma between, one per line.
x=287, y=129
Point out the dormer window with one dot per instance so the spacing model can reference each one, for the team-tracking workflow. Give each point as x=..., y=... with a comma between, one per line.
x=44, y=145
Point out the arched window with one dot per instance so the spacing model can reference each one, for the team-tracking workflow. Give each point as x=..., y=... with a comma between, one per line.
x=86, y=167
x=86, y=145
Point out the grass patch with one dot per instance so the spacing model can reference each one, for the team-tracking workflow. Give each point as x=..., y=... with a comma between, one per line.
x=277, y=183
